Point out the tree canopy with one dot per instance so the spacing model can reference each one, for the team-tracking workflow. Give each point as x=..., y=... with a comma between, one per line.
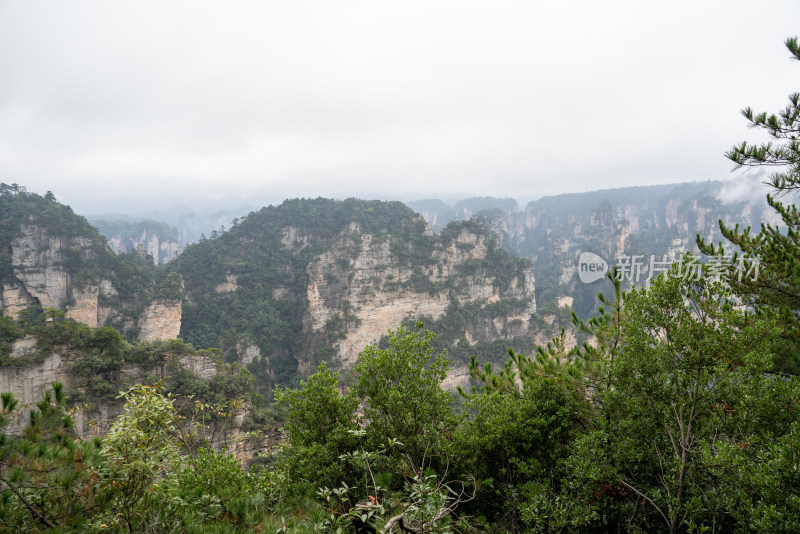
x=776, y=249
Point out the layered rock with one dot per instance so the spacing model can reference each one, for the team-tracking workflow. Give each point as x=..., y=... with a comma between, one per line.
x=230, y=284
x=87, y=307
x=366, y=293
x=29, y=382
x=247, y=352
x=14, y=298
x=44, y=274
x=37, y=258
x=200, y=365
x=161, y=320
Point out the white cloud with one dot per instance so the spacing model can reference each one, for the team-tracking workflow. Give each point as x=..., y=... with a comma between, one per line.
x=411, y=99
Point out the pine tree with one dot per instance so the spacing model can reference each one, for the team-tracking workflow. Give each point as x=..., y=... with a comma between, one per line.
x=775, y=287
x=47, y=478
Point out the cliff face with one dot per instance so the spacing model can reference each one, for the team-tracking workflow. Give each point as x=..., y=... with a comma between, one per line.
x=52, y=258
x=162, y=251
x=359, y=286
x=14, y=298
x=28, y=382
x=41, y=278
x=87, y=303
x=42, y=275
x=160, y=320
x=37, y=260
x=648, y=221
x=319, y=280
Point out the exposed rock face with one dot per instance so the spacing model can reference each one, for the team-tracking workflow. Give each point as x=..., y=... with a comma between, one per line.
x=564, y=302
x=293, y=238
x=37, y=259
x=86, y=304
x=618, y=223
x=23, y=347
x=201, y=366
x=40, y=277
x=457, y=376
x=161, y=320
x=29, y=383
x=247, y=352
x=359, y=287
x=14, y=298
x=85, y=308
x=228, y=285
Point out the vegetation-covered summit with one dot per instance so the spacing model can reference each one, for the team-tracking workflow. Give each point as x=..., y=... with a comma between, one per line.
x=250, y=284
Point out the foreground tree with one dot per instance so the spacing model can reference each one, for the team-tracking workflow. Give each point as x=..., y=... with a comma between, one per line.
x=689, y=379
x=514, y=444
x=776, y=288
x=47, y=479
x=673, y=422
x=684, y=352
x=403, y=400
x=319, y=421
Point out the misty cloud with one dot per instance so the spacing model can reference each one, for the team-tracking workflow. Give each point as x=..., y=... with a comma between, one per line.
x=103, y=100
x=749, y=188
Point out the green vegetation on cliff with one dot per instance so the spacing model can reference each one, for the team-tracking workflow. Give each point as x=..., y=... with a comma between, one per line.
x=270, y=278
x=83, y=254
x=670, y=422
x=100, y=362
x=252, y=281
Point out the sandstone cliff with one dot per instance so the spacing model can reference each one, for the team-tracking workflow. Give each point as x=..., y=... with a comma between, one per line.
x=161, y=251
x=318, y=280
x=160, y=320
x=31, y=371
x=362, y=288
x=52, y=258
x=42, y=275
x=614, y=223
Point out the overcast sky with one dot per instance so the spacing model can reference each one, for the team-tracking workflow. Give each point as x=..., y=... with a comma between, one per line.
x=120, y=104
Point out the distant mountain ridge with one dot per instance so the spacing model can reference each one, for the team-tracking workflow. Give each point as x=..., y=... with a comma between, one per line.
x=553, y=231
x=310, y=280
x=145, y=237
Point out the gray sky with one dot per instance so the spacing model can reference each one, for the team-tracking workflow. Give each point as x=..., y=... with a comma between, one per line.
x=119, y=104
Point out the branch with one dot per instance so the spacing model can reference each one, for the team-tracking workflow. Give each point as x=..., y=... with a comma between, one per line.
x=30, y=507
x=645, y=497
x=398, y=520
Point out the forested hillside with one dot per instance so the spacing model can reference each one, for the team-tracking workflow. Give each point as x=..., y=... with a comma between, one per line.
x=316, y=280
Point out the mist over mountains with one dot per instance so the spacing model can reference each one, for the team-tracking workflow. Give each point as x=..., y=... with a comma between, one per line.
x=551, y=231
